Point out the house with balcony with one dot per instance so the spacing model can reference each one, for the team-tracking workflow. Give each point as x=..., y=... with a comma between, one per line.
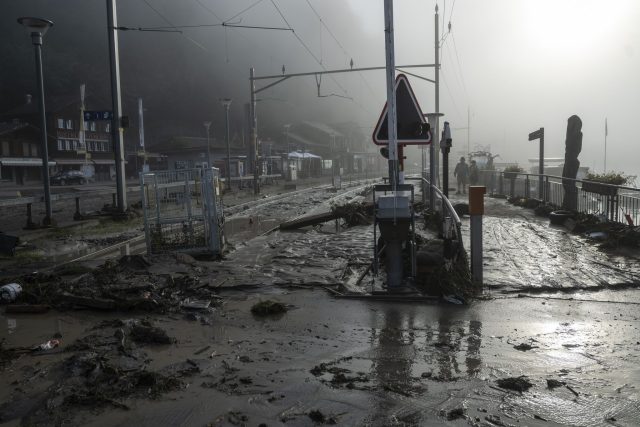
x=73, y=144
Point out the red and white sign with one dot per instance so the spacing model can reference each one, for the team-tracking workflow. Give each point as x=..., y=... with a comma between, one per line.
x=412, y=126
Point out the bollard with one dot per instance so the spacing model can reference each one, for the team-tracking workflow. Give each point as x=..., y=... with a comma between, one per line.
x=113, y=200
x=476, y=211
x=77, y=216
x=30, y=224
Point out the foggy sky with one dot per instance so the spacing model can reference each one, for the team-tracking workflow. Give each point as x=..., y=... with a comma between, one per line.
x=522, y=64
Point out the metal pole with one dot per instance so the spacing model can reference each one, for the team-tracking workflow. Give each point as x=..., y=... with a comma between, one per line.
x=437, y=96
x=606, y=131
x=541, y=166
x=468, y=133
x=206, y=126
x=391, y=93
x=116, y=100
x=37, y=42
x=254, y=133
x=247, y=127
x=432, y=118
x=226, y=109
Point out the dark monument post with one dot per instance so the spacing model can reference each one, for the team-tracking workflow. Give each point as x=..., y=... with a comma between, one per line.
x=573, y=146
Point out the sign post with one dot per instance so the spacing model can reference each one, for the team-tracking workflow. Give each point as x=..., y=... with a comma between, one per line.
x=391, y=93
x=539, y=134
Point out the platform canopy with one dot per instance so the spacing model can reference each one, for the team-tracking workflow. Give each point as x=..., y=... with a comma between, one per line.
x=299, y=155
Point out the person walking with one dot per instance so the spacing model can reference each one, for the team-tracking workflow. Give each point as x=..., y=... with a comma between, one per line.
x=462, y=173
x=473, y=173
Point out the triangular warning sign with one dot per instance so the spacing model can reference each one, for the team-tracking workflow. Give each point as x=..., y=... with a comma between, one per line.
x=412, y=127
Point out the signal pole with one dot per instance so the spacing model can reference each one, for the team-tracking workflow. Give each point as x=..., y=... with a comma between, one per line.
x=391, y=93
x=116, y=101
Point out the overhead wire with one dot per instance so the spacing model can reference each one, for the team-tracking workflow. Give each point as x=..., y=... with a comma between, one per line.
x=174, y=27
x=306, y=47
x=244, y=10
x=340, y=45
x=455, y=49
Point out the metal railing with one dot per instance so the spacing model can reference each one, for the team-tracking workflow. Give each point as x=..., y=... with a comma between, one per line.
x=445, y=208
x=614, y=203
x=182, y=210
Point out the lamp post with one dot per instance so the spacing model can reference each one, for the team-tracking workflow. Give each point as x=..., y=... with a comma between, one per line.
x=37, y=28
x=226, y=103
x=206, y=126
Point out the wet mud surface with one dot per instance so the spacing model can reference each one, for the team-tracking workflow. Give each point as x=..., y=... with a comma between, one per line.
x=523, y=253
x=327, y=360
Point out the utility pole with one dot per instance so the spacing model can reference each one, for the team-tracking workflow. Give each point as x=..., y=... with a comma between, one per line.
x=226, y=103
x=606, y=133
x=141, y=134
x=116, y=102
x=434, y=151
x=207, y=125
x=468, y=131
x=253, y=140
x=391, y=93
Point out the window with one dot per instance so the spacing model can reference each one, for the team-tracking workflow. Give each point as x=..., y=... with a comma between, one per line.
x=86, y=125
x=5, y=148
x=67, y=145
x=34, y=150
x=93, y=126
x=75, y=144
x=60, y=123
x=25, y=149
x=107, y=127
x=60, y=144
x=92, y=146
x=69, y=124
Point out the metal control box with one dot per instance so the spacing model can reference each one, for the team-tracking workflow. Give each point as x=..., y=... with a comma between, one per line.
x=393, y=207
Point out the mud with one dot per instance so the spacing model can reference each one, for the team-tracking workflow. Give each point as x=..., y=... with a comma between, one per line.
x=353, y=362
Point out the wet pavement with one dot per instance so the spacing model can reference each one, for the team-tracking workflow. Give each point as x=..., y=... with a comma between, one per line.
x=554, y=308
x=523, y=253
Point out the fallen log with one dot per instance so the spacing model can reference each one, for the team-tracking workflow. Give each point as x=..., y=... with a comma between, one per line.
x=306, y=221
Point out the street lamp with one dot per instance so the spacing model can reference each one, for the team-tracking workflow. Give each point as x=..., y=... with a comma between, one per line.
x=206, y=126
x=37, y=28
x=226, y=103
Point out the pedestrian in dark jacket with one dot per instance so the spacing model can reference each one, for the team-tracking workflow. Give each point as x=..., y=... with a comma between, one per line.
x=462, y=173
x=473, y=173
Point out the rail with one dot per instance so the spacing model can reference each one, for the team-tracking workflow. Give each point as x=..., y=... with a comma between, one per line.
x=615, y=203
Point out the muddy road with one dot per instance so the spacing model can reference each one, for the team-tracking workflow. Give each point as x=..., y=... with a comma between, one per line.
x=553, y=341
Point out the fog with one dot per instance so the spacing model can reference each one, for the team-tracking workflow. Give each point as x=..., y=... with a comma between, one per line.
x=516, y=66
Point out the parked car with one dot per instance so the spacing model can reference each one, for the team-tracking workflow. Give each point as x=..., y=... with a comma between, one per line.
x=69, y=177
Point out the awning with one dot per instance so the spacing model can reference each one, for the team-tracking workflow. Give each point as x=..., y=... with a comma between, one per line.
x=104, y=161
x=299, y=155
x=61, y=162
x=25, y=161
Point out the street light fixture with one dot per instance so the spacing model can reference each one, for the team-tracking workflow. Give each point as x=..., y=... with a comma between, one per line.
x=206, y=126
x=226, y=103
x=37, y=28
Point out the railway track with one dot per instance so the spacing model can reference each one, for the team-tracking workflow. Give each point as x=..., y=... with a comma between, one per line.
x=137, y=244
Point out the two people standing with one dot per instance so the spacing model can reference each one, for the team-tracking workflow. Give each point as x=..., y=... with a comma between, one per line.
x=465, y=174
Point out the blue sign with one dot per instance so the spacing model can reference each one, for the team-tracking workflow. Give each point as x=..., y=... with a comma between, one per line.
x=98, y=115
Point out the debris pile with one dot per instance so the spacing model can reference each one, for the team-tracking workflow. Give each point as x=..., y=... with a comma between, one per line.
x=107, y=367
x=354, y=213
x=124, y=285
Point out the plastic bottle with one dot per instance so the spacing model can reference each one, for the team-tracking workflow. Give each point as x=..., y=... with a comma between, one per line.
x=49, y=345
x=9, y=293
